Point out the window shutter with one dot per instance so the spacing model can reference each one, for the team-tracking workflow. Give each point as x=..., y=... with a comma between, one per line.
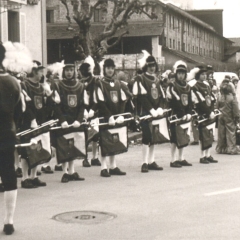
x=22, y=22
x=4, y=25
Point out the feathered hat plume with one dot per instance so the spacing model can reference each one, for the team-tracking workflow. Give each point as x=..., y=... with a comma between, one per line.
x=18, y=58
x=179, y=63
x=90, y=61
x=56, y=68
x=142, y=61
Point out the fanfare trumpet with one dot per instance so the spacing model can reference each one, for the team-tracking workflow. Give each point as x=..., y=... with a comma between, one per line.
x=174, y=118
x=127, y=117
x=150, y=116
x=217, y=112
x=49, y=123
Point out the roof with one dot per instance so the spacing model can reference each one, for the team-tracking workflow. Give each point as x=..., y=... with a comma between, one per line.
x=190, y=16
x=204, y=10
x=232, y=50
x=236, y=41
x=136, y=29
x=192, y=58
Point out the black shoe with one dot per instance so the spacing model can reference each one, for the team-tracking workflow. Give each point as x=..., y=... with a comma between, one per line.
x=95, y=162
x=86, y=163
x=65, y=178
x=37, y=182
x=58, y=168
x=47, y=170
x=8, y=229
x=194, y=143
x=184, y=163
x=105, y=173
x=154, y=166
x=1, y=187
x=204, y=160
x=75, y=177
x=116, y=171
x=144, y=168
x=28, y=183
x=19, y=172
x=175, y=164
x=211, y=160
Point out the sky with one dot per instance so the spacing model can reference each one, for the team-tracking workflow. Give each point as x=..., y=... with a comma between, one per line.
x=231, y=14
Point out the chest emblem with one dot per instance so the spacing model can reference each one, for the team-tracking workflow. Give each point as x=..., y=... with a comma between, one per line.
x=72, y=100
x=114, y=96
x=38, y=102
x=184, y=99
x=154, y=92
x=208, y=101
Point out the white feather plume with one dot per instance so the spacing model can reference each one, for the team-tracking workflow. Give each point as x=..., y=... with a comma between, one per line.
x=90, y=61
x=18, y=58
x=56, y=68
x=101, y=67
x=192, y=74
x=180, y=62
x=142, y=61
x=166, y=73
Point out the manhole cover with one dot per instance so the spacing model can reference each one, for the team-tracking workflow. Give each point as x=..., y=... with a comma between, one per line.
x=84, y=217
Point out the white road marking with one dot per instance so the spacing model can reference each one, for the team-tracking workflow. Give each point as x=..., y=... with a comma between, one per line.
x=222, y=192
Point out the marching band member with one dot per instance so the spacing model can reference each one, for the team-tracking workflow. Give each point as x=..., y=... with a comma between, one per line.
x=91, y=107
x=204, y=100
x=111, y=101
x=152, y=100
x=69, y=109
x=10, y=102
x=34, y=115
x=179, y=97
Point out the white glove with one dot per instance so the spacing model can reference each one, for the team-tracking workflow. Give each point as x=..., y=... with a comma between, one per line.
x=154, y=113
x=90, y=113
x=65, y=125
x=188, y=117
x=120, y=120
x=33, y=142
x=34, y=123
x=160, y=111
x=76, y=124
x=47, y=89
x=212, y=115
x=214, y=88
x=111, y=121
x=85, y=114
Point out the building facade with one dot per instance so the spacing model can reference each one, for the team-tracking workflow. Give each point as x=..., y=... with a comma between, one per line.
x=25, y=21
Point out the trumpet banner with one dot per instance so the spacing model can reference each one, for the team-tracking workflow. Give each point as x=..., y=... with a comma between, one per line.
x=206, y=133
x=113, y=141
x=183, y=134
x=70, y=144
x=160, y=131
x=41, y=152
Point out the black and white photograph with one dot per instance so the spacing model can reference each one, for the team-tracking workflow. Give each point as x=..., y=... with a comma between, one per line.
x=119, y=119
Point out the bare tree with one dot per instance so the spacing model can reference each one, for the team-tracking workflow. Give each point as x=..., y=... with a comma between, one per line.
x=83, y=12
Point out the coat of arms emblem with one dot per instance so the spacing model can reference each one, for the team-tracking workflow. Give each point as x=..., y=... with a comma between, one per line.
x=184, y=99
x=114, y=96
x=72, y=100
x=208, y=100
x=154, y=91
x=38, y=102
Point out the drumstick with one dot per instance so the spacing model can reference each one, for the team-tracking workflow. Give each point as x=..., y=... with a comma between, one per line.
x=150, y=116
x=33, y=142
x=60, y=127
x=105, y=124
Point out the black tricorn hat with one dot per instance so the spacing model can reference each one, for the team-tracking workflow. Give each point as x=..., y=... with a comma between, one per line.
x=151, y=61
x=37, y=65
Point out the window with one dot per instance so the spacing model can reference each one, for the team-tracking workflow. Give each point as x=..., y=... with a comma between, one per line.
x=210, y=53
x=173, y=44
x=189, y=50
x=170, y=43
x=170, y=21
x=173, y=22
x=197, y=50
x=13, y=26
x=207, y=53
x=165, y=41
x=183, y=47
x=204, y=52
x=188, y=29
x=193, y=49
x=200, y=51
x=97, y=15
x=179, y=45
x=50, y=16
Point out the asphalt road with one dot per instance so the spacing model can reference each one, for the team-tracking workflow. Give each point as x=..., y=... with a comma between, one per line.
x=198, y=202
